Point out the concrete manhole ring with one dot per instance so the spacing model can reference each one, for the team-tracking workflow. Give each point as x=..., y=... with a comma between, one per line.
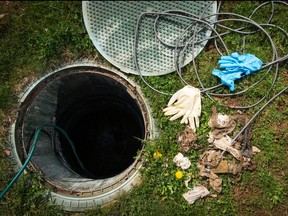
x=106, y=116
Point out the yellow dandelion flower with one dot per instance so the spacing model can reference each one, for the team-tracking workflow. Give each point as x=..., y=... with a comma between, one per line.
x=179, y=174
x=157, y=155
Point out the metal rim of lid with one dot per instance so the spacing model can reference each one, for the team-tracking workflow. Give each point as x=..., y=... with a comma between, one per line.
x=112, y=33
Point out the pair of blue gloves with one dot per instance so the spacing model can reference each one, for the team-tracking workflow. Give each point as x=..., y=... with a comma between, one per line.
x=235, y=67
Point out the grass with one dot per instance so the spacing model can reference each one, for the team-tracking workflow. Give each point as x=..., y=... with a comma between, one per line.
x=38, y=37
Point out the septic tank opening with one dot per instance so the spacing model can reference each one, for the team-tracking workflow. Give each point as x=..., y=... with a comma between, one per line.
x=105, y=115
x=104, y=122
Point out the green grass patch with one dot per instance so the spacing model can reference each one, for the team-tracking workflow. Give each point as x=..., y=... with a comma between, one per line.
x=38, y=37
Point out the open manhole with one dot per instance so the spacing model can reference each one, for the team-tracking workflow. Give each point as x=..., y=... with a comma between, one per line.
x=106, y=117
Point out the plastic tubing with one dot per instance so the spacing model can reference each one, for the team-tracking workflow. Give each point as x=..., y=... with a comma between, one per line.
x=31, y=152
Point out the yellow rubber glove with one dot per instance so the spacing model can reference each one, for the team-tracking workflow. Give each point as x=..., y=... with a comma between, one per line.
x=187, y=103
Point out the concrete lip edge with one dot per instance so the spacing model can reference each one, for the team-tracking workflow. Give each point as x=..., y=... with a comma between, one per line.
x=76, y=202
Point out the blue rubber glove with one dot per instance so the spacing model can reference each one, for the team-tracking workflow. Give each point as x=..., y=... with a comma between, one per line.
x=236, y=66
x=227, y=78
x=246, y=63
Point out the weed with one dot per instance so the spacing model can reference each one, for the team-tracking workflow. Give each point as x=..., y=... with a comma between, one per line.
x=30, y=197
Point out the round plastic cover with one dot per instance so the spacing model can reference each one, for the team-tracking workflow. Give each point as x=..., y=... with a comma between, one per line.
x=111, y=27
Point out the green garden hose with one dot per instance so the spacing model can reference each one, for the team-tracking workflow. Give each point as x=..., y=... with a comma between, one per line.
x=36, y=138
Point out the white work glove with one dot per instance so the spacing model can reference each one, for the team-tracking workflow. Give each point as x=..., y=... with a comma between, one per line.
x=187, y=103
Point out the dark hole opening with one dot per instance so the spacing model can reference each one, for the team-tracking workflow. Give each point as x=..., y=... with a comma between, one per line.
x=104, y=122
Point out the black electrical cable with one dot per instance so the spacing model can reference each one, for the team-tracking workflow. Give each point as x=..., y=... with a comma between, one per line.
x=257, y=113
x=275, y=60
x=136, y=40
x=181, y=48
x=193, y=17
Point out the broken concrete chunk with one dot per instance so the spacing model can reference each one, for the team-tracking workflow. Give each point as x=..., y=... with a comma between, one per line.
x=182, y=161
x=197, y=192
